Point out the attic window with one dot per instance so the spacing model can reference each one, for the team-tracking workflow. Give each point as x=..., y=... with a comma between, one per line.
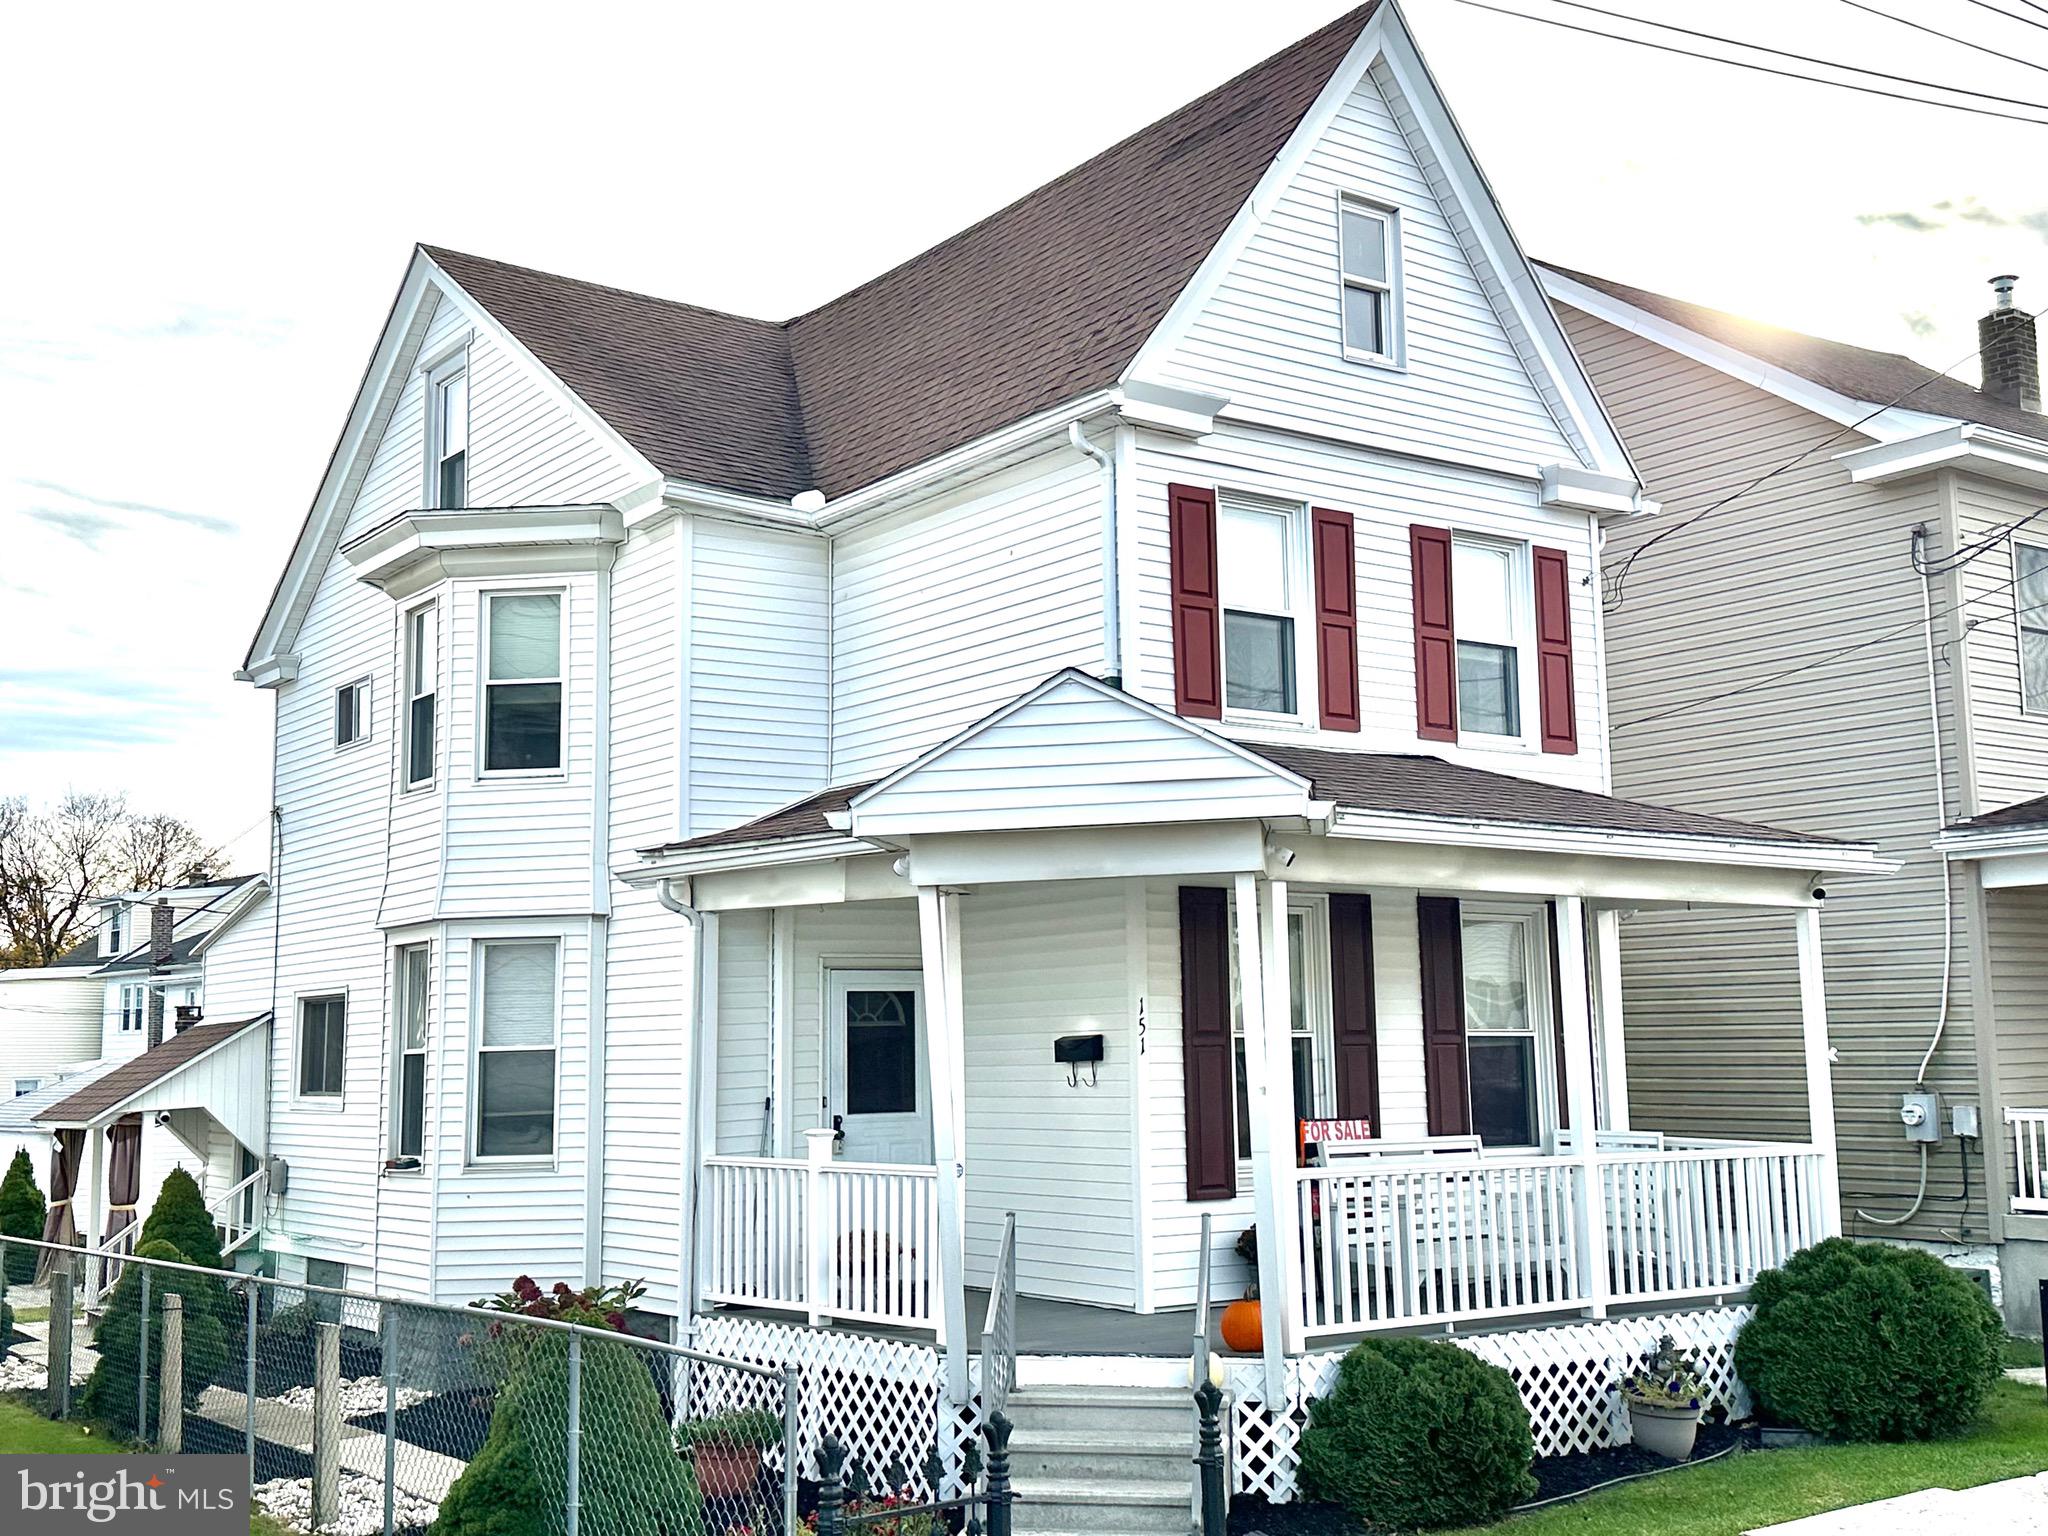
x=448, y=433
x=1369, y=256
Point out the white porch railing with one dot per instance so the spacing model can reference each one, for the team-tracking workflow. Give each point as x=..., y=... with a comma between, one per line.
x=238, y=1214
x=854, y=1241
x=2030, y=1158
x=1454, y=1238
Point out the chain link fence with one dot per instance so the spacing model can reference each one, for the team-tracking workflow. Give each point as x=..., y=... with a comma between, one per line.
x=363, y=1414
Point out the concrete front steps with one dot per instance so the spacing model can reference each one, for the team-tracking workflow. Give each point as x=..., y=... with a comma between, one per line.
x=1117, y=1460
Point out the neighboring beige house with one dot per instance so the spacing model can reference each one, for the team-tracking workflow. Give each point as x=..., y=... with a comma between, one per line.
x=1799, y=655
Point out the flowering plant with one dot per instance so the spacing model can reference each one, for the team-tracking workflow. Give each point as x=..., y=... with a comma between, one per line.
x=1665, y=1379
x=875, y=1517
x=593, y=1306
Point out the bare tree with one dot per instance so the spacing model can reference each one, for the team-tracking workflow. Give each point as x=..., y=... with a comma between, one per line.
x=55, y=863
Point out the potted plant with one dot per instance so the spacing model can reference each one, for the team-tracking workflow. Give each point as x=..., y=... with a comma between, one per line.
x=726, y=1449
x=1663, y=1397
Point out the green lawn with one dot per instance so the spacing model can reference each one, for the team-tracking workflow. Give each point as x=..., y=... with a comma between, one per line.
x=1749, y=1489
x=2021, y=1352
x=24, y=1431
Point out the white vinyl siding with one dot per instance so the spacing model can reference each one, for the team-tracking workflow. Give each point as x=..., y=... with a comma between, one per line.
x=2008, y=731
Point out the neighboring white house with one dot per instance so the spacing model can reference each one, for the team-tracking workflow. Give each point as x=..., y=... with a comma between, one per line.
x=758, y=804
x=49, y=1022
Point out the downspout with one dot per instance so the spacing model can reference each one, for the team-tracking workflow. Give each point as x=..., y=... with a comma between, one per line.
x=1112, y=634
x=686, y=1256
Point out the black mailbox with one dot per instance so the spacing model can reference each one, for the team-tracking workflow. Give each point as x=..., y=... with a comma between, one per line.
x=1072, y=1050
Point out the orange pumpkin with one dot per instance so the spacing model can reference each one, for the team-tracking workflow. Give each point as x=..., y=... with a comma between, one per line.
x=1243, y=1329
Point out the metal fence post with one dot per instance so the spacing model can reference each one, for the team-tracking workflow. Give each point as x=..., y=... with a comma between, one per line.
x=789, y=1444
x=326, y=1423
x=253, y=1291
x=574, y=1512
x=170, y=1395
x=1209, y=1456
x=389, y=1363
x=58, y=1398
x=831, y=1493
x=142, y=1364
x=999, y=1495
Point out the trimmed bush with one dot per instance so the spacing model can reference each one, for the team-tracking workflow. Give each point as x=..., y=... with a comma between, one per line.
x=179, y=1218
x=110, y=1395
x=1418, y=1433
x=1865, y=1341
x=22, y=1210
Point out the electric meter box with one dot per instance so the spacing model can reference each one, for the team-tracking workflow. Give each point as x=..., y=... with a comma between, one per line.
x=1920, y=1114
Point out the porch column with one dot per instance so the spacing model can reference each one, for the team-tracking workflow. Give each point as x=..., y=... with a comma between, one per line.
x=699, y=1128
x=1613, y=1043
x=1277, y=1305
x=782, y=1009
x=1575, y=1002
x=938, y=921
x=1820, y=1083
x=1280, y=1123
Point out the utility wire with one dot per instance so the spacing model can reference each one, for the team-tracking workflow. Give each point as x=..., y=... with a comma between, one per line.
x=2009, y=16
x=1766, y=69
x=1801, y=58
x=1946, y=37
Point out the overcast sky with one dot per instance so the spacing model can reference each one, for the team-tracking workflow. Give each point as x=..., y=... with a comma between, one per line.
x=208, y=208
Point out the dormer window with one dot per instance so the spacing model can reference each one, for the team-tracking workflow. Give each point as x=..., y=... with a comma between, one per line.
x=448, y=433
x=1369, y=253
x=117, y=929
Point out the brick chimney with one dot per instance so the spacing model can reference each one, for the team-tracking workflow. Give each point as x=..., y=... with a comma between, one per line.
x=160, y=921
x=188, y=1014
x=2006, y=347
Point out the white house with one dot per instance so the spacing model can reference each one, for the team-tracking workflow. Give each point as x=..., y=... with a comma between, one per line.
x=760, y=804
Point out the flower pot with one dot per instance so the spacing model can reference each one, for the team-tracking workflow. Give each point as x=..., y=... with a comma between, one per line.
x=1243, y=1329
x=726, y=1471
x=1666, y=1432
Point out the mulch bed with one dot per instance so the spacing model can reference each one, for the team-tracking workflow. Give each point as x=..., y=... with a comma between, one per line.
x=454, y=1423
x=206, y=1437
x=1556, y=1477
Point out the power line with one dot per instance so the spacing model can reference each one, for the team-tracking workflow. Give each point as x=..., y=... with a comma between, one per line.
x=1946, y=37
x=1802, y=58
x=2009, y=16
x=1766, y=69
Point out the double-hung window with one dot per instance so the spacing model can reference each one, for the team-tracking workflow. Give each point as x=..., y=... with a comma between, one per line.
x=448, y=433
x=24, y=1085
x=352, y=712
x=2030, y=582
x=134, y=1007
x=1369, y=254
x=117, y=924
x=1488, y=615
x=523, y=681
x=515, y=1049
x=422, y=673
x=409, y=1068
x=323, y=1031
x=1507, y=1025
x=1258, y=555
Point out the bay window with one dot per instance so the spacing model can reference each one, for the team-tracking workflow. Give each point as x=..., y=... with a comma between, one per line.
x=2030, y=581
x=409, y=1068
x=515, y=1049
x=522, y=682
x=422, y=672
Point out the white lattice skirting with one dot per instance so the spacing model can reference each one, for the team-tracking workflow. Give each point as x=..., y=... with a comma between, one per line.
x=1566, y=1375
x=879, y=1398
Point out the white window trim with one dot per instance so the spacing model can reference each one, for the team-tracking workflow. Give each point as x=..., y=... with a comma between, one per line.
x=1536, y=953
x=1397, y=320
x=1522, y=618
x=406, y=697
x=141, y=991
x=481, y=746
x=446, y=365
x=364, y=697
x=399, y=1052
x=2019, y=627
x=1318, y=1007
x=473, y=1158
x=115, y=934
x=33, y=1084
x=1306, y=714
x=323, y=1103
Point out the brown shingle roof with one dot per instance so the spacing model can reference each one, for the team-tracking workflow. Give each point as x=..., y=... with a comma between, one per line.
x=1037, y=304
x=800, y=818
x=140, y=1072
x=2028, y=813
x=1861, y=374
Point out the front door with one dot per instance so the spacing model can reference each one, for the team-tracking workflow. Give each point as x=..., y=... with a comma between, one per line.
x=880, y=1093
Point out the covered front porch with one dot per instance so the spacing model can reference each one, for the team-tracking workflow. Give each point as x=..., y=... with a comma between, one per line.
x=989, y=988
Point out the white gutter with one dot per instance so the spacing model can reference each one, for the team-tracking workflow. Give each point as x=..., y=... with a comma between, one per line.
x=1112, y=634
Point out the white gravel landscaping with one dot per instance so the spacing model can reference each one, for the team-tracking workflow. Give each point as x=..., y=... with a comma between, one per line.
x=289, y=1500
x=365, y=1394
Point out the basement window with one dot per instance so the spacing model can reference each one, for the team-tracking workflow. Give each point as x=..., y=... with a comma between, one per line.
x=1369, y=258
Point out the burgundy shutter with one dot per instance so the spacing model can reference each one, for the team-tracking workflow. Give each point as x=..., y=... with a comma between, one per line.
x=1554, y=651
x=1436, y=646
x=1564, y=1099
x=1336, y=619
x=1197, y=615
x=1207, y=1060
x=1354, y=1028
x=1446, y=1080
